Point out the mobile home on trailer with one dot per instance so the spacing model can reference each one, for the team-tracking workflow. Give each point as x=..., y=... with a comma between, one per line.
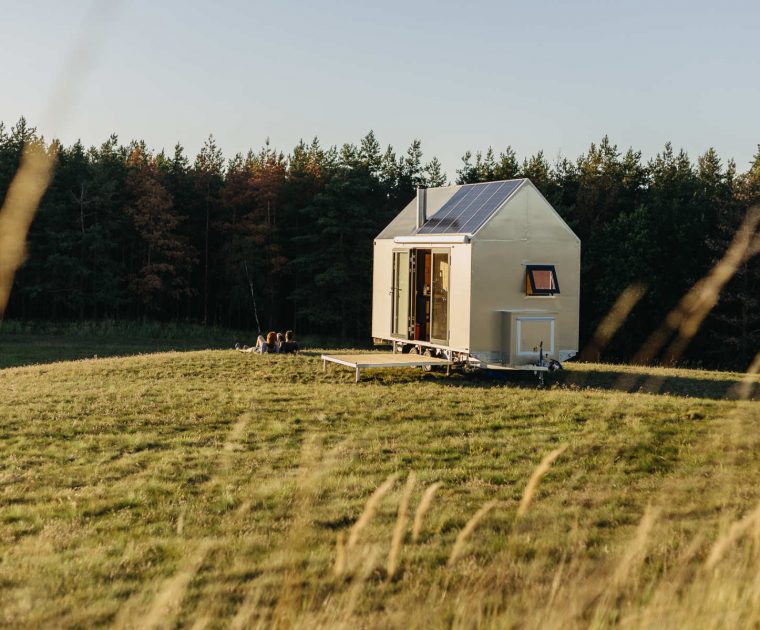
x=481, y=274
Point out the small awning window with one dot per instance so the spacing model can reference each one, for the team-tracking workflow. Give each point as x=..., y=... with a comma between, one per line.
x=541, y=280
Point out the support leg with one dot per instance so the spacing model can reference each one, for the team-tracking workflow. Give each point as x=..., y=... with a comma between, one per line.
x=324, y=366
x=448, y=369
x=541, y=378
x=357, y=375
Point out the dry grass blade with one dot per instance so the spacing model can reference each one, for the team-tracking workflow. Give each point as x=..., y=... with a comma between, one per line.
x=369, y=510
x=610, y=589
x=423, y=507
x=687, y=317
x=201, y=623
x=636, y=548
x=468, y=529
x=612, y=322
x=340, y=555
x=346, y=608
x=166, y=604
x=745, y=388
x=400, y=528
x=735, y=532
x=21, y=201
x=535, y=479
x=244, y=616
x=181, y=522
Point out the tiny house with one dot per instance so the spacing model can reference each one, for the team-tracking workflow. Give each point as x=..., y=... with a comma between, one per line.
x=480, y=274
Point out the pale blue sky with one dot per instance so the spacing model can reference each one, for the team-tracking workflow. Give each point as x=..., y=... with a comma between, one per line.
x=537, y=75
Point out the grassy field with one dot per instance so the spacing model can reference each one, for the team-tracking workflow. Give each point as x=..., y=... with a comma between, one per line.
x=216, y=489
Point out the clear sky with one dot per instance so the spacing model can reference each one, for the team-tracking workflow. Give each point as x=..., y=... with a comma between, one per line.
x=537, y=75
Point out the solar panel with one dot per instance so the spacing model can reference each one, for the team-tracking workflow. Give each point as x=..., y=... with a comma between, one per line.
x=469, y=208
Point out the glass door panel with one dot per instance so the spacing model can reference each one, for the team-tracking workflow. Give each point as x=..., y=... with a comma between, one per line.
x=400, y=293
x=440, y=300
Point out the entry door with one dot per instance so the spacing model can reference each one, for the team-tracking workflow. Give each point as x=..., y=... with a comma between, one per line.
x=400, y=295
x=440, y=282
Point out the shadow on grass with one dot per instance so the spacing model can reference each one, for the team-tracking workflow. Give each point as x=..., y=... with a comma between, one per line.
x=728, y=387
x=724, y=387
x=22, y=350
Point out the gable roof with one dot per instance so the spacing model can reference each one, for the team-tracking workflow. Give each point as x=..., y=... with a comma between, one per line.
x=470, y=207
x=461, y=211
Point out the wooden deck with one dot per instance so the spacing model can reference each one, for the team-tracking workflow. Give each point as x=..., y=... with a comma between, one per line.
x=381, y=360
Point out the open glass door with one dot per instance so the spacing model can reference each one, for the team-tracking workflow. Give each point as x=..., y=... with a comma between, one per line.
x=400, y=295
x=439, y=326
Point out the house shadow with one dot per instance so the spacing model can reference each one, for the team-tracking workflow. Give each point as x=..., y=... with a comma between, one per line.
x=728, y=387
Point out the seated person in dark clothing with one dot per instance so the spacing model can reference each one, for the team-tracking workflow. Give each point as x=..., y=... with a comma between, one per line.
x=289, y=346
x=271, y=342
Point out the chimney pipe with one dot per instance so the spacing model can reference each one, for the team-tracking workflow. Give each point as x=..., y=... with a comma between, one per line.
x=421, y=206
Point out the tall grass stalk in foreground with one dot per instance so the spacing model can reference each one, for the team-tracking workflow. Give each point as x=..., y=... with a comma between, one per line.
x=535, y=479
x=635, y=551
x=16, y=214
x=468, y=529
x=735, y=532
x=369, y=511
x=400, y=528
x=422, y=508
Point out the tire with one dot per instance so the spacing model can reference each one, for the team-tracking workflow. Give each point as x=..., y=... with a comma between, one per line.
x=427, y=368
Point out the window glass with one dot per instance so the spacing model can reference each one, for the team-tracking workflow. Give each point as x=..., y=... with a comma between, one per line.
x=541, y=280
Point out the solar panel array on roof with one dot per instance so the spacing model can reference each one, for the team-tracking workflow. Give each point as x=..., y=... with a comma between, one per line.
x=469, y=208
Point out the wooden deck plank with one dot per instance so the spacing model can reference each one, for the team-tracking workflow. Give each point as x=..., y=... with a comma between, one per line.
x=383, y=359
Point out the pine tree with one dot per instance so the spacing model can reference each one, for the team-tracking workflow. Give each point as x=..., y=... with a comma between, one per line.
x=507, y=166
x=164, y=256
x=209, y=175
x=434, y=175
x=538, y=170
x=734, y=327
x=467, y=173
x=335, y=254
x=411, y=172
x=268, y=170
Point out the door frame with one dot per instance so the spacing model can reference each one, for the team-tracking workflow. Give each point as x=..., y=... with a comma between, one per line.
x=394, y=290
x=433, y=252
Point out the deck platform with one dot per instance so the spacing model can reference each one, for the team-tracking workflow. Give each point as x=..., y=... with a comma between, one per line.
x=382, y=360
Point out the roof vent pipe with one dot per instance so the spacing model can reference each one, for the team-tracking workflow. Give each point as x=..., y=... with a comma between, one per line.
x=421, y=206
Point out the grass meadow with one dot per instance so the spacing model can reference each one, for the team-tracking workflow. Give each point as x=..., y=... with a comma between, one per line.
x=214, y=489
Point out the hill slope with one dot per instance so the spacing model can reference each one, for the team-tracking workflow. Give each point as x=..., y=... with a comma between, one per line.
x=216, y=489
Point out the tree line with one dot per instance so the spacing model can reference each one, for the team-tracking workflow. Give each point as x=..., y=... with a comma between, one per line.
x=268, y=239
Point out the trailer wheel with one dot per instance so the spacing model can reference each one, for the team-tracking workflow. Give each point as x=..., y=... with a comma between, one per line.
x=426, y=353
x=427, y=368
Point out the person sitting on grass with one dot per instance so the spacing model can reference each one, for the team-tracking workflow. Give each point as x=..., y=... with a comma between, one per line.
x=274, y=343
x=261, y=345
x=271, y=345
x=289, y=346
x=259, y=348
